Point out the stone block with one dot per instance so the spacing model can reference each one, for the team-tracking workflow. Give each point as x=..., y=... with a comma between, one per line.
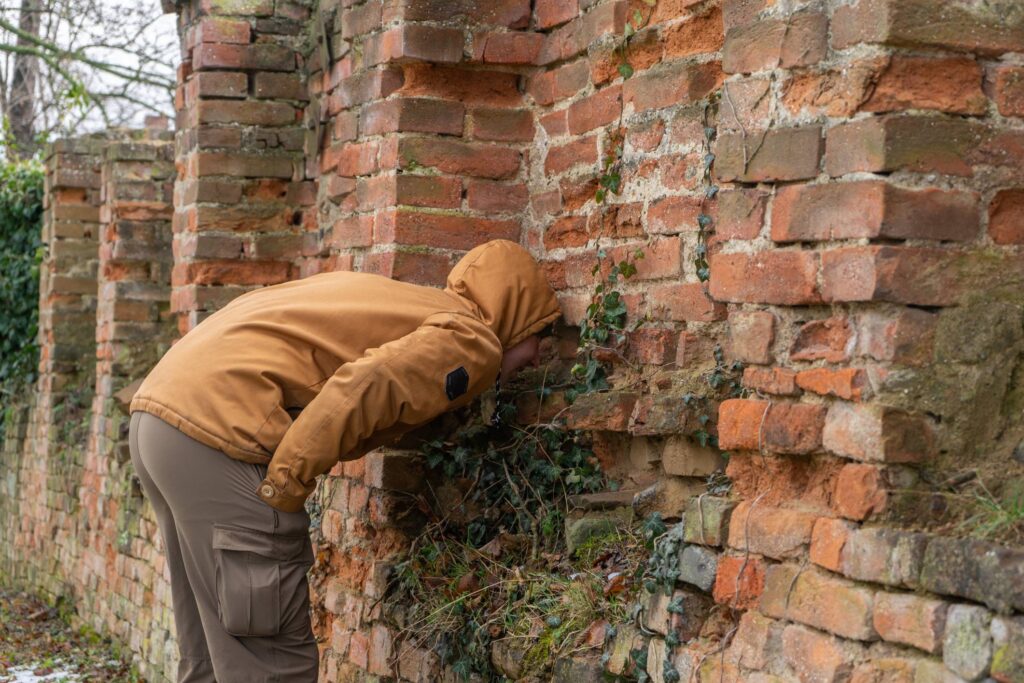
x=698, y=565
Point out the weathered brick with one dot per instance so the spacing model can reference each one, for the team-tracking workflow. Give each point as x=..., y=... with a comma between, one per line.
x=740, y=214
x=414, y=41
x=872, y=209
x=834, y=605
x=1008, y=649
x=1006, y=217
x=830, y=339
x=772, y=155
x=700, y=34
x=1008, y=87
x=967, y=645
x=671, y=215
x=672, y=84
x=433, y=191
x=684, y=458
x=911, y=620
x=775, y=532
x=563, y=157
x=911, y=143
x=559, y=83
x=284, y=86
x=890, y=556
x=511, y=47
x=503, y=125
x=878, y=434
x=976, y=570
x=816, y=656
x=920, y=23
x=767, y=277
x=750, y=336
x=828, y=539
x=860, y=492
x=698, y=566
x=595, y=111
x=683, y=302
x=440, y=230
x=609, y=411
x=548, y=13
x=758, y=640
x=485, y=195
x=947, y=84
x=707, y=520
x=413, y=115
x=221, y=84
x=258, y=56
x=740, y=581
x=458, y=158
x=799, y=40
x=361, y=19
x=847, y=383
x=909, y=275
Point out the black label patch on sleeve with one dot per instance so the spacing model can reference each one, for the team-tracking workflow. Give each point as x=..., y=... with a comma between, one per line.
x=456, y=383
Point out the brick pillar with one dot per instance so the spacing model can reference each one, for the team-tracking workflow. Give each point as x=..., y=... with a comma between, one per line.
x=243, y=207
x=121, y=563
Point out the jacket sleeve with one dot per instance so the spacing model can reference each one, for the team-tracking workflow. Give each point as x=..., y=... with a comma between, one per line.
x=443, y=364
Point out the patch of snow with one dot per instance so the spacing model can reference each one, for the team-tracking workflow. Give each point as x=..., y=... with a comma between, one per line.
x=23, y=674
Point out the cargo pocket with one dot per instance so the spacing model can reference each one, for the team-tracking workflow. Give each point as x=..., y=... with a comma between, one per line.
x=250, y=568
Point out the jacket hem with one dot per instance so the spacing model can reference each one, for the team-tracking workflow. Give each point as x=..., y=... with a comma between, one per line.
x=191, y=429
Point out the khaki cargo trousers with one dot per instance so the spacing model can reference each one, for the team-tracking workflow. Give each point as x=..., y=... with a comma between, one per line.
x=238, y=566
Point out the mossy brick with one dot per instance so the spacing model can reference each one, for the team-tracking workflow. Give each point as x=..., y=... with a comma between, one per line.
x=594, y=524
x=627, y=637
x=1008, y=649
x=890, y=556
x=609, y=411
x=698, y=565
x=976, y=570
x=571, y=670
x=256, y=8
x=967, y=645
x=660, y=414
x=706, y=520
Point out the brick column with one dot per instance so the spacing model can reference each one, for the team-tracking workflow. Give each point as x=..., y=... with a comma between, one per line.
x=243, y=207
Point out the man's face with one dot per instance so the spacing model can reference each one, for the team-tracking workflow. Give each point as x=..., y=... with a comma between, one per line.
x=526, y=352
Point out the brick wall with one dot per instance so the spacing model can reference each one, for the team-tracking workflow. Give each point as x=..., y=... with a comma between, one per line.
x=828, y=198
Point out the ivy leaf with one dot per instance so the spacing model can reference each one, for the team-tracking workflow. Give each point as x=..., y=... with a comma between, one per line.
x=625, y=70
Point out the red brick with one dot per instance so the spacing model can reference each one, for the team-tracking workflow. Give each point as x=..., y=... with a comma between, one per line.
x=222, y=30
x=361, y=20
x=560, y=83
x=800, y=40
x=652, y=346
x=418, y=268
x=358, y=159
x=1008, y=90
x=381, y=650
x=878, y=434
x=740, y=214
x=908, y=275
x=244, y=165
x=645, y=50
x=750, y=336
x=889, y=670
x=595, y=111
x=503, y=125
x=920, y=23
x=672, y=84
x=947, y=84
x=555, y=124
x=578, y=151
x=697, y=35
x=441, y=230
x=617, y=220
x=507, y=13
x=777, y=154
x=233, y=272
x=848, y=383
x=279, y=86
x=646, y=136
x=221, y=84
x=548, y=13
x=245, y=112
x=255, y=57
x=683, y=302
x=608, y=411
x=775, y=532
x=1006, y=217
x=911, y=620
x=834, y=605
x=740, y=424
x=839, y=91
x=739, y=590
x=434, y=191
x=793, y=428
x=768, y=277
x=872, y=209
x=860, y=492
x=815, y=656
x=828, y=538
x=352, y=231
x=460, y=158
x=830, y=339
x=364, y=87
x=485, y=195
x=412, y=115
x=567, y=231
x=472, y=88
x=924, y=144
x=414, y=41
x=906, y=336
x=777, y=381
x=359, y=649
x=512, y=47
x=672, y=215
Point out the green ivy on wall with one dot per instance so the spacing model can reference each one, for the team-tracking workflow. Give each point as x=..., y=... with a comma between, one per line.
x=21, y=210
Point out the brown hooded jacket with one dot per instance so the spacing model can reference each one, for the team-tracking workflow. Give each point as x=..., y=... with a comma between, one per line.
x=364, y=358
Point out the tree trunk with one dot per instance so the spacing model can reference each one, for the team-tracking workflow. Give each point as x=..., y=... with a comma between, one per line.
x=21, y=109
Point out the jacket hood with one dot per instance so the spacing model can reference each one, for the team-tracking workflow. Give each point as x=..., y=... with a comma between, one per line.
x=508, y=287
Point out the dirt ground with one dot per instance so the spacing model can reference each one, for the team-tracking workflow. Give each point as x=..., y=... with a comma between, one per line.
x=37, y=644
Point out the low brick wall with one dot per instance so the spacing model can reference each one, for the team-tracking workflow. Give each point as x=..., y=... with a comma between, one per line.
x=828, y=197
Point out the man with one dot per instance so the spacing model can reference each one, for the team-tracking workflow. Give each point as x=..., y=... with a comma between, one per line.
x=231, y=428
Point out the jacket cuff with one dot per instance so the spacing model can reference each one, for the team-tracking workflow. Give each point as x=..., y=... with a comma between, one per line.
x=275, y=498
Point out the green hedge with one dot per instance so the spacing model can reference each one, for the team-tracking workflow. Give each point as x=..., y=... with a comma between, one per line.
x=21, y=211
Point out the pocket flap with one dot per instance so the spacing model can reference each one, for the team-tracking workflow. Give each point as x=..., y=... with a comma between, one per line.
x=231, y=537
